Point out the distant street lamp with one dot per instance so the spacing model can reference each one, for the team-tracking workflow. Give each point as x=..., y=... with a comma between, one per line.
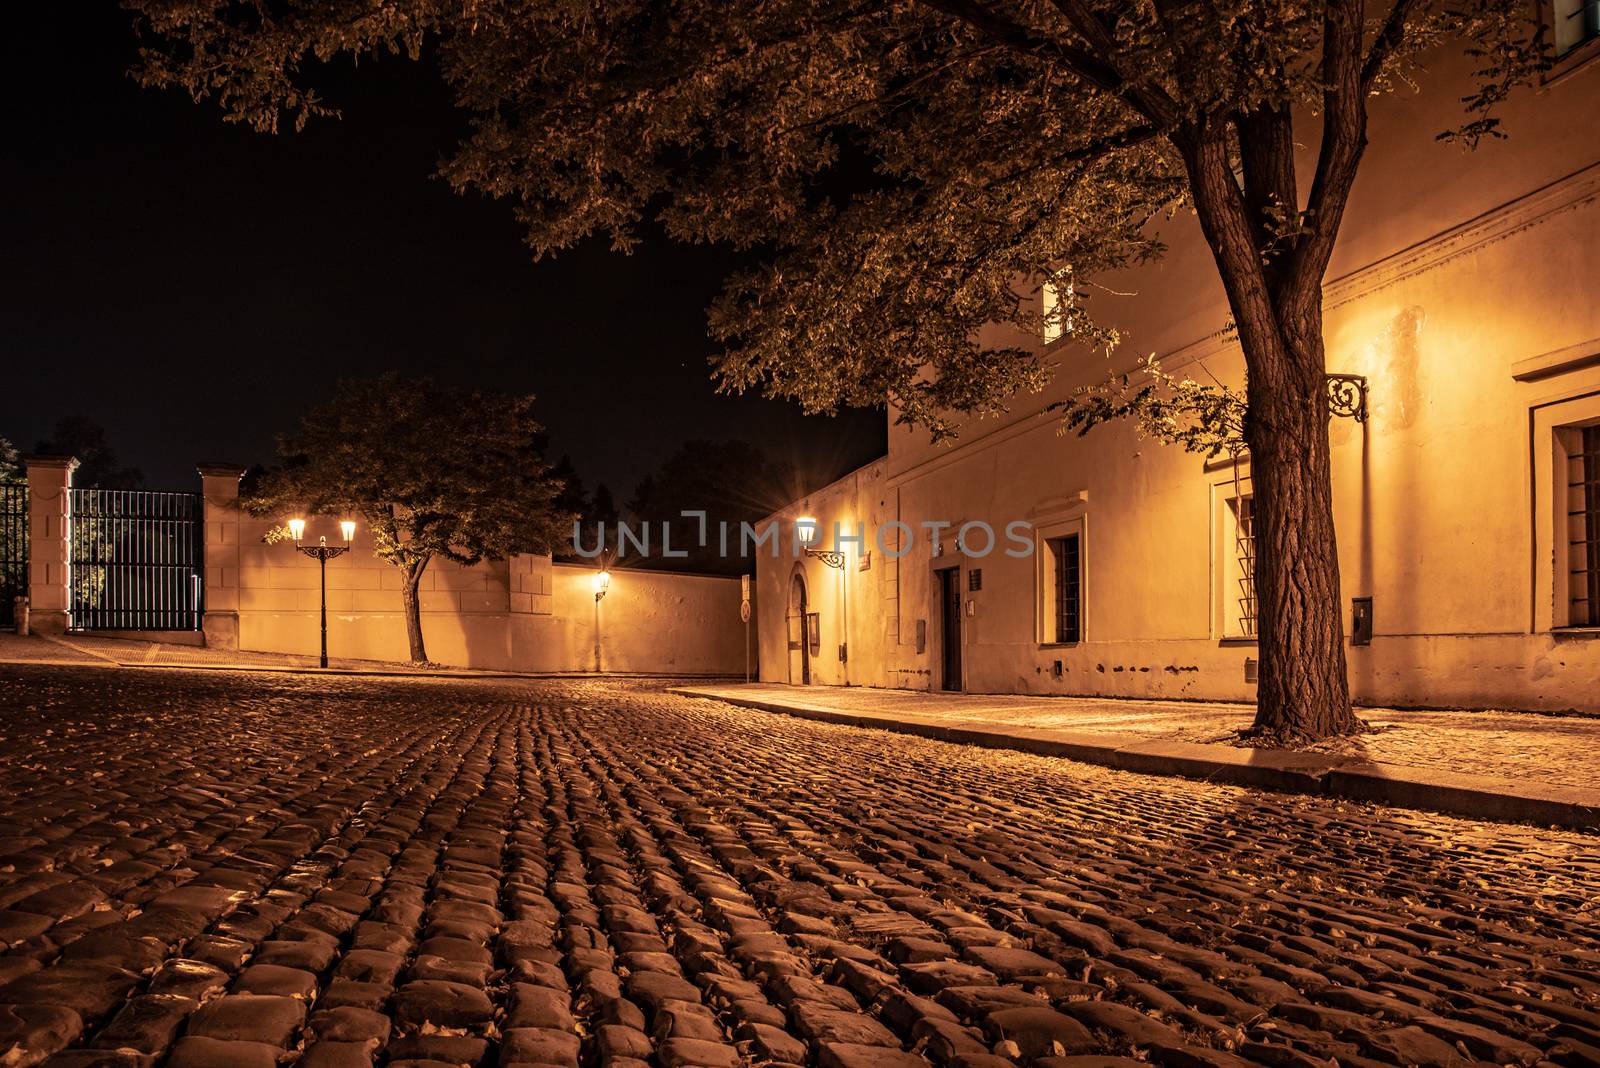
x=322, y=552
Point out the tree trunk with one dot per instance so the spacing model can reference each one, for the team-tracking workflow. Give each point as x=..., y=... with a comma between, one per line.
x=1304, y=690
x=408, y=595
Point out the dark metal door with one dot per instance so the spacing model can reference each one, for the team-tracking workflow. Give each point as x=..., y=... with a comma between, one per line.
x=13, y=548
x=950, y=630
x=799, y=623
x=135, y=560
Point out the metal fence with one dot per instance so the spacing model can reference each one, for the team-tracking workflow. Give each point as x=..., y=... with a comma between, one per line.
x=136, y=560
x=13, y=548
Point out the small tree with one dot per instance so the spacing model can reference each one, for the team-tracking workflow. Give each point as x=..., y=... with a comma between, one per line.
x=433, y=472
x=10, y=463
x=1005, y=139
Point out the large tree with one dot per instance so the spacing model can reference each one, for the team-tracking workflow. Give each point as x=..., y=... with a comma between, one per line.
x=997, y=140
x=433, y=472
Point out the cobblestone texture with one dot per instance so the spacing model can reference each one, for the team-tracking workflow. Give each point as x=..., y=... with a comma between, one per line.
x=237, y=870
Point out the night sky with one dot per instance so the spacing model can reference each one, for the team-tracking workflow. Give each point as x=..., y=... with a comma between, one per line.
x=194, y=286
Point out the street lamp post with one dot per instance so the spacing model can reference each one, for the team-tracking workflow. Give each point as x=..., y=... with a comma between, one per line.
x=322, y=552
x=602, y=583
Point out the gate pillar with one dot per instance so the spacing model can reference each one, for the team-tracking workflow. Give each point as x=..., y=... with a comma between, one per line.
x=49, y=507
x=219, y=488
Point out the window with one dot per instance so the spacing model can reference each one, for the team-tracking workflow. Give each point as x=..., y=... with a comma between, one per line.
x=1066, y=559
x=1574, y=22
x=1581, y=451
x=1053, y=298
x=1233, y=557
x=1243, y=574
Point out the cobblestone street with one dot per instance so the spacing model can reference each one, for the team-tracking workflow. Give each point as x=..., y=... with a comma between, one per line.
x=215, y=869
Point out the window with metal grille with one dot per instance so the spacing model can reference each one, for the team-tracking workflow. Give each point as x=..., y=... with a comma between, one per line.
x=1583, y=529
x=1067, y=556
x=1244, y=555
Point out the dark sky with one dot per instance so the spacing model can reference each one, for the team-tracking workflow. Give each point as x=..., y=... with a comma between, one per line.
x=193, y=286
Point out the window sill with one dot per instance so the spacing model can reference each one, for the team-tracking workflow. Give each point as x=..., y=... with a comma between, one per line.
x=1576, y=634
x=1060, y=645
x=1238, y=641
x=1573, y=60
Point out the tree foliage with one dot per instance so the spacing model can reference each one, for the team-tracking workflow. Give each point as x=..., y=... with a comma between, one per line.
x=85, y=439
x=10, y=463
x=432, y=471
x=1201, y=418
x=906, y=173
x=997, y=140
x=730, y=481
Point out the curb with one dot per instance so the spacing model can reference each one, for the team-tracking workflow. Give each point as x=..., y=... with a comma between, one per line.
x=1474, y=796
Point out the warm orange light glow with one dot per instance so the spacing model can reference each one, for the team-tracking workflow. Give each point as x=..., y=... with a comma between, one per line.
x=602, y=581
x=806, y=528
x=348, y=526
x=297, y=529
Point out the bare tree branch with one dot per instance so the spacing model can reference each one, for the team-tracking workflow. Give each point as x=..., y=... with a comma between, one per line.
x=1344, y=139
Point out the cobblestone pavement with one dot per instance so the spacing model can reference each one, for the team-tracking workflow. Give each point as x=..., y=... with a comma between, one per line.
x=1561, y=750
x=210, y=869
x=99, y=650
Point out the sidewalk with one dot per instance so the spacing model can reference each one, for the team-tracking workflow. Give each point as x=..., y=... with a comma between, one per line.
x=1487, y=765
x=88, y=650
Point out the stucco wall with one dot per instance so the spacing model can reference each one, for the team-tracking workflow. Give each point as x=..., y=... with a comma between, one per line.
x=1458, y=290
x=525, y=614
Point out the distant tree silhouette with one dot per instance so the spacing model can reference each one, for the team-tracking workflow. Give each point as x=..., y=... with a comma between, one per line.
x=79, y=436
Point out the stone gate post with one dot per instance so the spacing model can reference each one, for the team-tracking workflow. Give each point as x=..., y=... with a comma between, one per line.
x=49, y=508
x=219, y=489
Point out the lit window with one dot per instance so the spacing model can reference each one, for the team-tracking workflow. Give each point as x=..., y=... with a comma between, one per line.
x=1574, y=22
x=1053, y=299
x=1581, y=450
x=1066, y=558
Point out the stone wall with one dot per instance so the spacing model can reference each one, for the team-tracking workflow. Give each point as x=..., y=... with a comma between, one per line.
x=522, y=614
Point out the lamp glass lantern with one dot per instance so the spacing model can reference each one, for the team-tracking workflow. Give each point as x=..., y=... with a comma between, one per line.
x=348, y=528
x=297, y=529
x=805, y=528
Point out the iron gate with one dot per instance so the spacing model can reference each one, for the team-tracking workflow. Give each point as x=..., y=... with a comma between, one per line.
x=135, y=560
x=13, y=548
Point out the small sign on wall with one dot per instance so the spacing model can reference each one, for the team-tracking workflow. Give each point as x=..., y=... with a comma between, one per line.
x=975, y=579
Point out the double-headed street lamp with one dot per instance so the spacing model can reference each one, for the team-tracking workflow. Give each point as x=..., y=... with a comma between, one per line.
x=322, y=552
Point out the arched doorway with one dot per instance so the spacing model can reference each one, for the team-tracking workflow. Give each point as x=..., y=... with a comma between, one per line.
x=799, y=650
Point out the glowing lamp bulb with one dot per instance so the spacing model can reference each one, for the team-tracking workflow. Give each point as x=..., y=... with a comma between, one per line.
x=602, y=581
x=348, y=526
x=297, y=529
x=806, y=529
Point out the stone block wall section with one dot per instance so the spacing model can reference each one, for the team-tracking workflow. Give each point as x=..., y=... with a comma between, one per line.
x=521, y=614
x=49, y=483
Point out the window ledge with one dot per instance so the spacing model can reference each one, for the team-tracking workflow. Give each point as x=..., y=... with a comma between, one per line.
x=1575, y=633
x=1060, y=645
x=1238, y=641
x=1573, y=60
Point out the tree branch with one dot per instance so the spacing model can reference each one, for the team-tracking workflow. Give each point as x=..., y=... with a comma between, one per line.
x=1344, y=139
x=1151, y=100
x=1028, y=41
x=1388, y=39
